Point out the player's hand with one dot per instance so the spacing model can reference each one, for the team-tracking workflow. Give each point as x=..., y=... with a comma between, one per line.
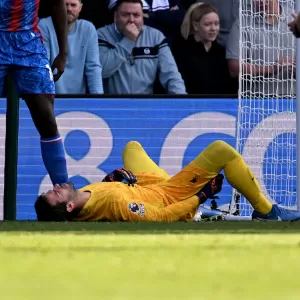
x=212, y=188
x=131, y=32
x=58, y=66
x=120, y=175
x=295, y=25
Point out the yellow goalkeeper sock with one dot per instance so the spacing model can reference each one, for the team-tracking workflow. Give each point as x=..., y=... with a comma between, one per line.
x=242, y=178
x=137, y=160
x=219, y=155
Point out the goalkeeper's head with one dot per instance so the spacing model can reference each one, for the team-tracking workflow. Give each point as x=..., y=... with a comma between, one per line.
x=58, y=204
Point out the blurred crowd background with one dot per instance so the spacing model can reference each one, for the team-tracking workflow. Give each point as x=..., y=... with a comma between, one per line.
x=154, y=46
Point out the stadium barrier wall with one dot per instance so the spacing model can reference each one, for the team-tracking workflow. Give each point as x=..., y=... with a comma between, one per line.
x=173, y=130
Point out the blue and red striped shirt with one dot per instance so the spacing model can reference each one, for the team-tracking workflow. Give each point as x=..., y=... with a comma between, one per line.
x=18, y=15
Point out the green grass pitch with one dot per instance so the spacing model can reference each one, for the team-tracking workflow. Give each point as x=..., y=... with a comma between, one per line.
x=86, y=261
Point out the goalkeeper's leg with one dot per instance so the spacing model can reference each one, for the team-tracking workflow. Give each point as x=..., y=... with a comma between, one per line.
x=137, y=161
x=219, y=155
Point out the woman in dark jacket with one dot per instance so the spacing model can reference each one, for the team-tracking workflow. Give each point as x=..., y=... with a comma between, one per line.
x=200, y=59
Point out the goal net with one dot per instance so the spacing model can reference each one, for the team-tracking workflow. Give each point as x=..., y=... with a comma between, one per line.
x=266, y=129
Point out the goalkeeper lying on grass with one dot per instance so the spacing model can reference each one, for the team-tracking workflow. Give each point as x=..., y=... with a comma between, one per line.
x=149, y=194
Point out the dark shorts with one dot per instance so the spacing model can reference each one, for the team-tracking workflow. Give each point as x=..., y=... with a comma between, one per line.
x=25, y=55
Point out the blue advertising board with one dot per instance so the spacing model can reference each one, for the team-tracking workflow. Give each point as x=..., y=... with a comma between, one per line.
x=95, y=131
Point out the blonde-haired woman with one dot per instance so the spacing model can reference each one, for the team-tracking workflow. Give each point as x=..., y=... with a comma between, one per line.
x=200, y=58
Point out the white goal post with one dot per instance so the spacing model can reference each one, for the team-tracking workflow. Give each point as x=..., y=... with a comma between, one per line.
x=266, y=127
x=297, y=9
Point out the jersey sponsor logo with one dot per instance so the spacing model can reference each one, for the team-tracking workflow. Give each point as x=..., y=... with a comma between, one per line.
x=195, y=179
x=134, y=207
x=137, y=208
x=145, y=52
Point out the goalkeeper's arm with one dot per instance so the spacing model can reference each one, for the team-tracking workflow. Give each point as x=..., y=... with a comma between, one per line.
x=129, y=210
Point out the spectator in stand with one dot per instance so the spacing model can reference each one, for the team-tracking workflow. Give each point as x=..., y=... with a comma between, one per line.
x=166, y=18
x=228, y=11
x=83, y=72
x=112, y=4
x=133, y=54
x=200, y=58
x=164, y=15
x=269, y=55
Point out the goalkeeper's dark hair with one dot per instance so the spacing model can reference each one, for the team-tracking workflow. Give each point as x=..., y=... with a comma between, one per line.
x=120, y=2
x=49, y=213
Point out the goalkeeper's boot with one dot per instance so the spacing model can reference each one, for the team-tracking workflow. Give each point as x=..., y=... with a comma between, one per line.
x=277, y=213
x=206, y=214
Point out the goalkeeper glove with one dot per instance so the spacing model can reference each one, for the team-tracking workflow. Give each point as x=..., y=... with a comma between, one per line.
x=212, y=188
x=121, y=175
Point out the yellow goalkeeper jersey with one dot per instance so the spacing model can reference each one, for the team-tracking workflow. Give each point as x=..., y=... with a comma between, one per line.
x=116, y=201
x=166, y=200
